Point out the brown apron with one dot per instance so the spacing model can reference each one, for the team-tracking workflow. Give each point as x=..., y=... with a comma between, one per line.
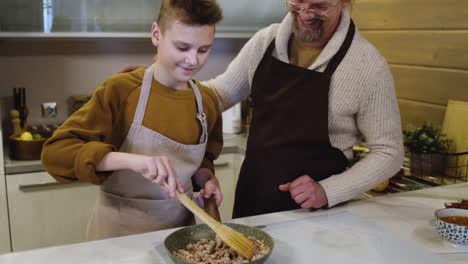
x=129, y=203
x=288, y=135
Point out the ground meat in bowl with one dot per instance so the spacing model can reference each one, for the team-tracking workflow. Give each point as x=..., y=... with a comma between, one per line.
x=217, y=252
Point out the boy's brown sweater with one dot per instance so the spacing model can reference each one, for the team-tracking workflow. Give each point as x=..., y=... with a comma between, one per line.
x=101, y=126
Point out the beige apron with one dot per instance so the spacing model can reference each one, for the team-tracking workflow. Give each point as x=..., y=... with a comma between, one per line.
x=128, y=202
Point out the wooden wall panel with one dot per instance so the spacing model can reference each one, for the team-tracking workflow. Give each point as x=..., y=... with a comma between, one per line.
x=417, y=113
x=430, y=85
x=446, y=49
x=426, y=45
x=410, y=14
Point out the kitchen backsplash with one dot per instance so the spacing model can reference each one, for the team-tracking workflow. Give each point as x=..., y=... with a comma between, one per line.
x=55, y=70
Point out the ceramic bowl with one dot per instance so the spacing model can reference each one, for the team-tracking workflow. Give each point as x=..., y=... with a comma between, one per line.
x=181, y=238
x=456, y=234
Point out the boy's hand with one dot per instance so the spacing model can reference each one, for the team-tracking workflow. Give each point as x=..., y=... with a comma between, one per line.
x=208, y=181
x=157, y=169
x=212, y=188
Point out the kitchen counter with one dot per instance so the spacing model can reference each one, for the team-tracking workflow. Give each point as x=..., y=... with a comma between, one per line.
x=393, y=225
x=233, y=143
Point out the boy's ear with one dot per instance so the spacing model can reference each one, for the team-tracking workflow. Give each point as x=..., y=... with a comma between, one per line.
x=155, y=34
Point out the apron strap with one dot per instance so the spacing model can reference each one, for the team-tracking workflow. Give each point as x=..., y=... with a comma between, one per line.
x=143, y=101
x=144, y=95
x=336, y=60
x=200, y=114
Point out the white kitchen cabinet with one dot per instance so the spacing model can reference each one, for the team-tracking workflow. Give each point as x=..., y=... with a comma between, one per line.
x=224, y=169
x=44, y=213
x=4, y=231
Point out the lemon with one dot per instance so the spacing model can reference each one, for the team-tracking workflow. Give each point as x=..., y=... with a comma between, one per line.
x=26, y=136
x=382, y=186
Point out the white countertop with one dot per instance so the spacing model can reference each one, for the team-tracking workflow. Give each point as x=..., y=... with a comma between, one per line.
x=397, y=222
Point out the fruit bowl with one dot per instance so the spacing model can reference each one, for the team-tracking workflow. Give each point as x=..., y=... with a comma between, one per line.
x=26, y=149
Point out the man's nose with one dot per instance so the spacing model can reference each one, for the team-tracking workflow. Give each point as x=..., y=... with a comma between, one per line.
x=307, y=14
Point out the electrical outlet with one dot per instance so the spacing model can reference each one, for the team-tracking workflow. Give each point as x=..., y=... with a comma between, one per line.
x=49, y=110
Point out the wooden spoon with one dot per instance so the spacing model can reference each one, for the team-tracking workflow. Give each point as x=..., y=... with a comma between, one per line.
x=233, y=238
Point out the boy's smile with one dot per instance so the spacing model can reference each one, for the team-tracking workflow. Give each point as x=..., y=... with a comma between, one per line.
x=182, y=51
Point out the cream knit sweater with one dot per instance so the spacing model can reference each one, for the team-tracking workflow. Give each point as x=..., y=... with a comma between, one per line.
x=362, y=103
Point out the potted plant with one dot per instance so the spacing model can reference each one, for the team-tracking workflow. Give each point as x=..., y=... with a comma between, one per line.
x=426, y=144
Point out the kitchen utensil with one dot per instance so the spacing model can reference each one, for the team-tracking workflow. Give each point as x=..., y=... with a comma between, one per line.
x=15, y=123
x=212, y=208
x=192, y=234
x=241, y=244
x=23, y=108
x=19, y=98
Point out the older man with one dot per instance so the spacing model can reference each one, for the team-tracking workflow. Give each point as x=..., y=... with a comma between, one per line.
x=317, y=87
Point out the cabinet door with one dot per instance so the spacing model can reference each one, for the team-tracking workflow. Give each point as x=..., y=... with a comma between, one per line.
x=224, y=169
x=4, y=232
x=44, y=213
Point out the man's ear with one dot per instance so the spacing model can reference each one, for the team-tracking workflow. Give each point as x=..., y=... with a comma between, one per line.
x=155, y=34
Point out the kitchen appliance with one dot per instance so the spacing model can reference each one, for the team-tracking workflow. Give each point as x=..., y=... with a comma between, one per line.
x=232, y=120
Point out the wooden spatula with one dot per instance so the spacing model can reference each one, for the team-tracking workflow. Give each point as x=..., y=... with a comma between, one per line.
x=233, y=238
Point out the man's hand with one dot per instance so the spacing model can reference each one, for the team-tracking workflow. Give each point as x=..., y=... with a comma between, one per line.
x=130, y=68
x=306, y=192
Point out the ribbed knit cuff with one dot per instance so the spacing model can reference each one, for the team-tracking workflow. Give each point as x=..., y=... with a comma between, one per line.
x=88, y=158
x=335, y=190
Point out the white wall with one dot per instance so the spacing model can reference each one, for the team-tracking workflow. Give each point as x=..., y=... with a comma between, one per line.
x=52, y=70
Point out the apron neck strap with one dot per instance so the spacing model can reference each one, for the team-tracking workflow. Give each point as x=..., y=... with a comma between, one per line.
x=336, y=60
x=144, y=95
x=143, y=101
x=200, y=114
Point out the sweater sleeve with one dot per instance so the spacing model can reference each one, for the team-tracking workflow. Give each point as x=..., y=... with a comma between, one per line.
x=233, y=86
x=81, y=142
x=379, y=122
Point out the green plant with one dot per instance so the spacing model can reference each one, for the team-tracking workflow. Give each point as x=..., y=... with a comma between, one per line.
x=425, y=139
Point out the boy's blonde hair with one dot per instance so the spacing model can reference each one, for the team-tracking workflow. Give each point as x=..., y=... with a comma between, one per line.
x=190, y=12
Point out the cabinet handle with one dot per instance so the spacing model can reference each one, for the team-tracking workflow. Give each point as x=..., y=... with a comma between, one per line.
x=35, y=187
x=221, y=164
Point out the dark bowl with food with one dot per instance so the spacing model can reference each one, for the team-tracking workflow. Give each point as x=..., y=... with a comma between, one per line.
x=180, y=239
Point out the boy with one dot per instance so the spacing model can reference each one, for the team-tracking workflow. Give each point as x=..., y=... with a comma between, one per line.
x=146, y=127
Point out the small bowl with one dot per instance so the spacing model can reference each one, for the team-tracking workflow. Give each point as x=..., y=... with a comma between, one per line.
x=456, y=234
x=181, y=238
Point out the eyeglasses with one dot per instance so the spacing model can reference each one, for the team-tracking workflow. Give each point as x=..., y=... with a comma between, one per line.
x=320, y=10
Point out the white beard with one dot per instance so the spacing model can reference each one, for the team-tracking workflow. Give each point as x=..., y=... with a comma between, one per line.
x=306, y=34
